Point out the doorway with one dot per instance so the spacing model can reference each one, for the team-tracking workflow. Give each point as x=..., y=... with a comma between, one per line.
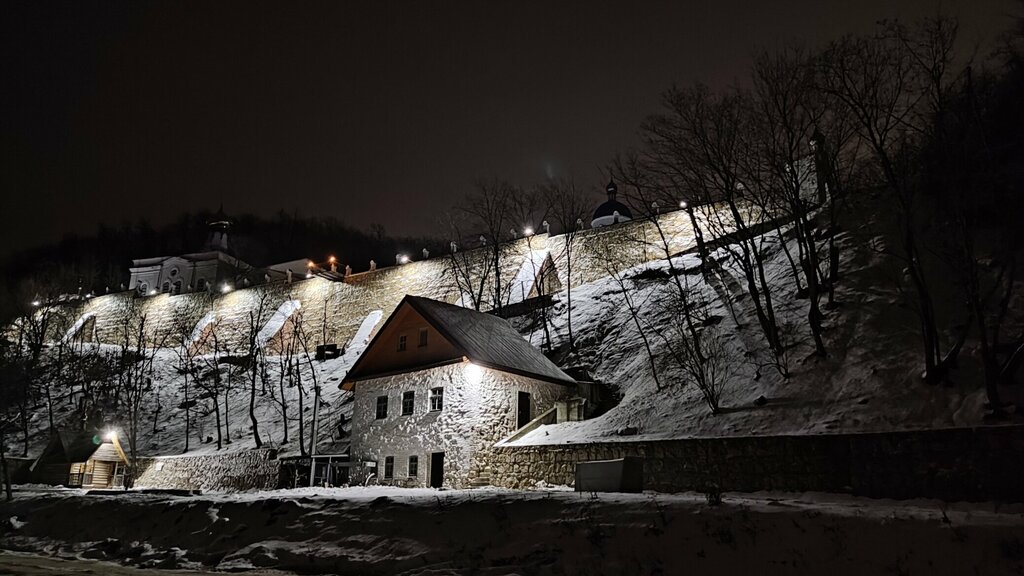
x=436, y=469
x=523, y=416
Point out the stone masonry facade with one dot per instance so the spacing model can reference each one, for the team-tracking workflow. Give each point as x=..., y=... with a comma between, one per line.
x=247, y=470
x=478, y=412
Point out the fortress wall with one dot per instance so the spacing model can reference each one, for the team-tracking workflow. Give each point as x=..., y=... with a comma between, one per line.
x=336, y=309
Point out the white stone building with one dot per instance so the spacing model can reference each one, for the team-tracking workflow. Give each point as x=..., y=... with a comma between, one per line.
x=437, y=387
x=204, y=271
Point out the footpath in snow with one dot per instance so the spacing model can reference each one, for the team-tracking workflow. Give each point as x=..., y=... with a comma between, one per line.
x=383, y=530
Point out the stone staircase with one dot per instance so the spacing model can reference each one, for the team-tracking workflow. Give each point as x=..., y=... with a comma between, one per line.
x=482, y=479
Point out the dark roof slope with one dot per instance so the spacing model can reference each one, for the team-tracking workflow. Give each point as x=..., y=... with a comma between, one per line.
x=485, y=339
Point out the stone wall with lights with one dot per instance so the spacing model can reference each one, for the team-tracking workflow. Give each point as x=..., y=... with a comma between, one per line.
x=332, y=311
x=473, y=419
x=246, y=470
x=985, y=463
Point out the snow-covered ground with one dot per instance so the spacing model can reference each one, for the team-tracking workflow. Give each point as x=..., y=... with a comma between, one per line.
x=383, y=530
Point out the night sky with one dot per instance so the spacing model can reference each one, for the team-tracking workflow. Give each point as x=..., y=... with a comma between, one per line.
x=384, y=113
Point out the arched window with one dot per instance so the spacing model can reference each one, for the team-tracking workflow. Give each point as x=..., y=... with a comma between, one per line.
x=174, y=272
x=166, y=287
x=200, y=284
x=143, y=289
x=177, y=287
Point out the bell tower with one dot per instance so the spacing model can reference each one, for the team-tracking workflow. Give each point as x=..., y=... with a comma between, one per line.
x=218, y=226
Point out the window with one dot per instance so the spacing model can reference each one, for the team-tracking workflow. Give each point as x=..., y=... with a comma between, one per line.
x=423, y=337
x=389, y=466
x=201, y=284
x=436, y=399
x=414, y=466
x=401, y=343
x=176, y=288
x=408, y=402
x=166, y=287
x=143, y=289
x=382, y=407
x=174, y=272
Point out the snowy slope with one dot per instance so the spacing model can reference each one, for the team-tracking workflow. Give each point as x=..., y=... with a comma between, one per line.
x=868, y=383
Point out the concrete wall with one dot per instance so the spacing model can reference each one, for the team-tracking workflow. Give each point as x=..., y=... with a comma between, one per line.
x=476, y=415
x=246, y=470
x=951, y=464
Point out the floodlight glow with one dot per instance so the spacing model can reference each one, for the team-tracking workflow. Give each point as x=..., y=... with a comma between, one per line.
x=225, y=288
x=683, y=204
x=332, y=259
x=112, y=435
x=528, y=231
x=152, y=292
x=310, y=264
x=403, y=259
x=473, y=373
x=36, y=302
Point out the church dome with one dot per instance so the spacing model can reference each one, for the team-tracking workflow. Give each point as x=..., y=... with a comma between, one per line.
x=612, y=211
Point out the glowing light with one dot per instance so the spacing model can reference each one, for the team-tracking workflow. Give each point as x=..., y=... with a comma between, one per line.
x=683, y=204
x=225, y=288
x=473, y=373
x=403, y=259
x=152, y=292
x=309, y=274
x=36, y=302
x=528, y=231
x=332, y=259
x=112, y=435
x=310, y=264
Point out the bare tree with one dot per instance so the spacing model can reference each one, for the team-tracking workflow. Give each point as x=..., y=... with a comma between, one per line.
x=893, y=85
x=567, y=208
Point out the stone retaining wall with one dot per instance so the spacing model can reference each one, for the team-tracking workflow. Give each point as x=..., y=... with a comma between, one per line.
x=246, y=470
x=984, y=463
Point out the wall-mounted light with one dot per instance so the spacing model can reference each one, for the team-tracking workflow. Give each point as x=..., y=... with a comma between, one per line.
x=683, y=204
x=332, y=259
x=403, y=259
x=225, y=288
x=473, y=373
x=111, y=435
x=36, y=302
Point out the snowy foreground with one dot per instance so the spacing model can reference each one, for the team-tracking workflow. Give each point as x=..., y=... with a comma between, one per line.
x=422, y=531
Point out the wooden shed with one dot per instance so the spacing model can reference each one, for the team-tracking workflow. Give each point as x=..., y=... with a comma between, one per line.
x=84, y=460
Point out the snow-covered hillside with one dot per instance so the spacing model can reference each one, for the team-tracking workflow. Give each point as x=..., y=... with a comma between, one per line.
x=869, y=381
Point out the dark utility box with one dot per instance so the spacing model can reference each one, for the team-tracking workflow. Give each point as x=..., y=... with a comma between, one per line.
x=327, y=352
x=622, y=475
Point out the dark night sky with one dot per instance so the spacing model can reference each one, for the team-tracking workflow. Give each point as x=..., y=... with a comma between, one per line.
x=385, y=112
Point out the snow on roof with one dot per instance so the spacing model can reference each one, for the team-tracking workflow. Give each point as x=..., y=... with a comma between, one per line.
x=484, y=339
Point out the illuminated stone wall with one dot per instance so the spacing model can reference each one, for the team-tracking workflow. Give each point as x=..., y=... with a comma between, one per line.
x=332, y=311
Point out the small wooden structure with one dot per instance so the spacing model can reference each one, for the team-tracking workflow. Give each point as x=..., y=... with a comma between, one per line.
x=85, y=460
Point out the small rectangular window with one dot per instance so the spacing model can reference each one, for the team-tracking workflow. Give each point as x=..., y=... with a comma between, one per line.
x=401, y=343
x=423, y=337
x=436, y=399
x=389, y=467
x=408, y=403
x=382, y=407
x=414, y=466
